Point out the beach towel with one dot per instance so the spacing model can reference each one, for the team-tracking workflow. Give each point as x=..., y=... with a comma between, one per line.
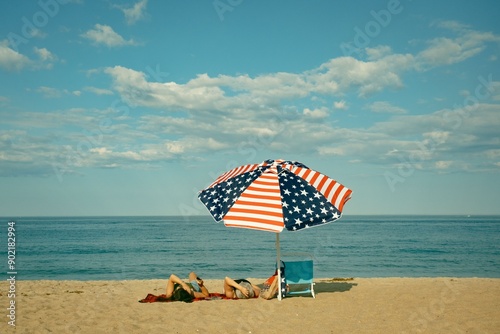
x=151, y=298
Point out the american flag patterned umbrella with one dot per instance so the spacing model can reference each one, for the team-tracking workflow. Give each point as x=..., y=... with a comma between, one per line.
x=274, y=195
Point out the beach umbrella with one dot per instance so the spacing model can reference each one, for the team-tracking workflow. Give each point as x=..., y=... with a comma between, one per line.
x=275, y=195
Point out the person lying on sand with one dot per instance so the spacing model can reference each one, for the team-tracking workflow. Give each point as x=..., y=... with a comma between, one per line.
x=240, y=288
x=195, y=287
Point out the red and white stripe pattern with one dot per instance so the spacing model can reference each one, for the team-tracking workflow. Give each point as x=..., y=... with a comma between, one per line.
x=259, y=206
x=335, y=192
x=234, y=172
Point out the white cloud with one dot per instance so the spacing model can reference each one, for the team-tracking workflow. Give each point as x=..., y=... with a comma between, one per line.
x=100, y=150
x=98, y=91
x=333, y=78
x=195, y=144
x=37, y=33
x=12, y=60
x=227, y=93
x=445, y=50
x=164, y=150
x=46, y=58
x=50, y=92
x=104, y=34
x=198, y=93
x=451, y=25
x=342, y=105
x=134, y=13
x=332, y=151
x=208, y=114
x=434, y=141
x=316, y=113
x=443, y=164
x=340, y=74
x=385, y=107
x=378, y=52
x=44, y=54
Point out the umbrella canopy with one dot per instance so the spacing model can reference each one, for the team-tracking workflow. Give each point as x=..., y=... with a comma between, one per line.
x=274, y=195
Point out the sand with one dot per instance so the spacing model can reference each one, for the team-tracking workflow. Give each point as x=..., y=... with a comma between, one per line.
x=364, y=305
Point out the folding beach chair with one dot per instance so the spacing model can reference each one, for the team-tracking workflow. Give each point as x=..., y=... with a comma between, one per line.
x=299, y=277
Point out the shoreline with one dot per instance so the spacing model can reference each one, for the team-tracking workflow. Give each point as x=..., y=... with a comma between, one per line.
x=342, y=305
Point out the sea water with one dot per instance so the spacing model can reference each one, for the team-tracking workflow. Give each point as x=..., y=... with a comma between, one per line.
x=125, y=248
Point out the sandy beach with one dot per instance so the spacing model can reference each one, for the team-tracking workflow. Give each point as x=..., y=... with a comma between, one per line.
x=374, y=305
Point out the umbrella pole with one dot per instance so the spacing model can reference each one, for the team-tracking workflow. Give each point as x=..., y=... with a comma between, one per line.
x=278, y=264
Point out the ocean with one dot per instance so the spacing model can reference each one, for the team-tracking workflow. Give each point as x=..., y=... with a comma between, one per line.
x=126, y=248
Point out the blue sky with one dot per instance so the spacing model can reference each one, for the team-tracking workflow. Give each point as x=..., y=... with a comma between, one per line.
x=131, y=107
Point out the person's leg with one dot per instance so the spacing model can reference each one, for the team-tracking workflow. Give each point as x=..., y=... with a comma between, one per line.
x=170, y=285
x=192, y=276
x=200, y=291
x=195, y=283
x=256, y=290
x=229, y=287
